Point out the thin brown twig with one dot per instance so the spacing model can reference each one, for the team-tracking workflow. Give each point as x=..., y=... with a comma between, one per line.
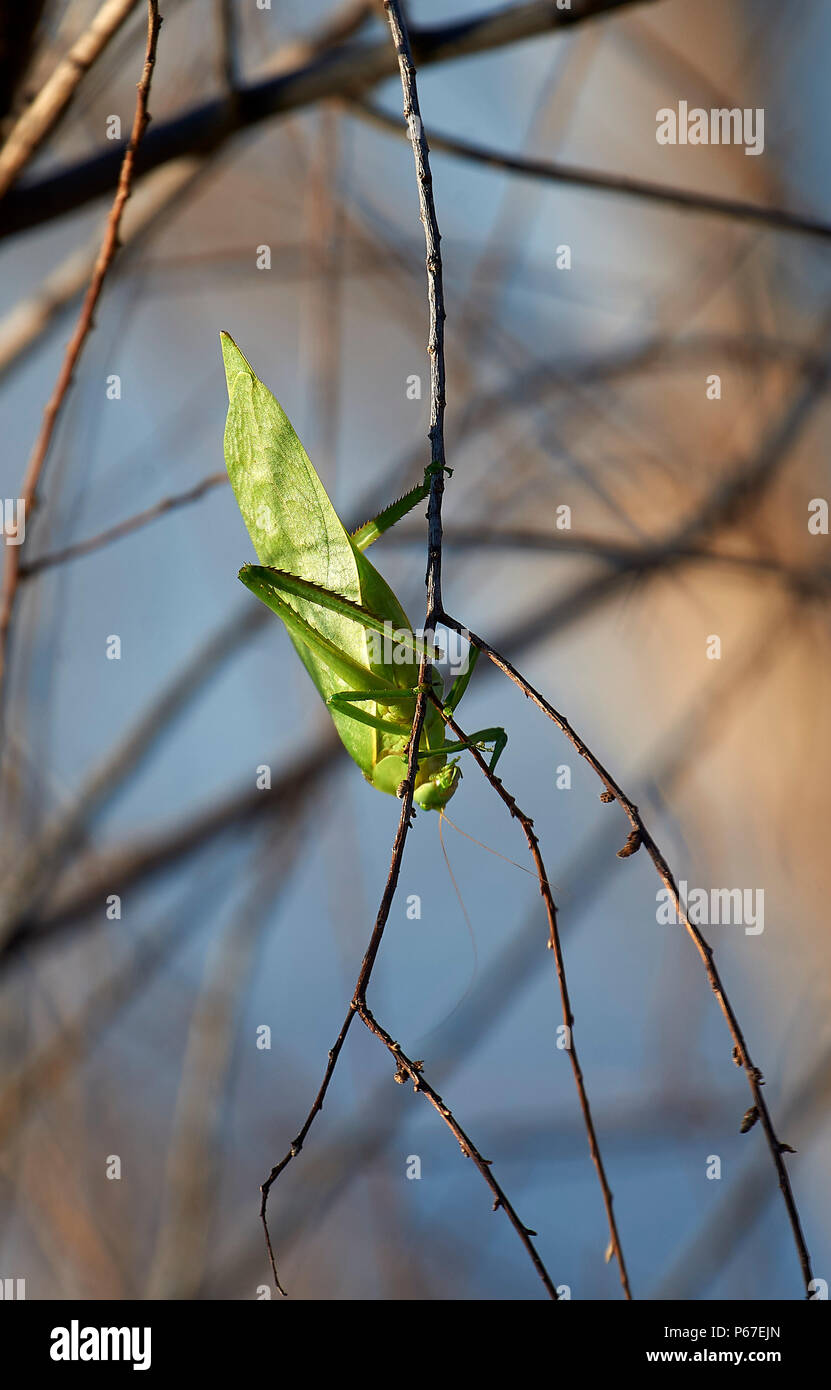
x=498, y=986
x=640, y=835
x=109, y=246
x=555, y=945
x=123, y=528
x=406, y=1067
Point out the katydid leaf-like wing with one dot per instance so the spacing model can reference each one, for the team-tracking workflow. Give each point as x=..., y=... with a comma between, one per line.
x=295, y=529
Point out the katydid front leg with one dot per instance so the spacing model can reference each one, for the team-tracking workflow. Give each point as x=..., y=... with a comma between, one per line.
x=367, y=534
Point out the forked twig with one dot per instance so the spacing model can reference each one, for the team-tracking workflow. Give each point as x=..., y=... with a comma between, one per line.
x=639, y=835
x=83, y=327
x=555, y=945
x=405, y=1067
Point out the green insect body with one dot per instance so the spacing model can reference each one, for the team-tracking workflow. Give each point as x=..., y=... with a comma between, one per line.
x=333, y=602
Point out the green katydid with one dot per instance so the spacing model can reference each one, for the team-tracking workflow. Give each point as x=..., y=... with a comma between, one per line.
x=333, y=602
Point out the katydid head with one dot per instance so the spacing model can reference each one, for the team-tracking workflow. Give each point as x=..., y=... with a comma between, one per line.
x=436, y=779
x=436, y=790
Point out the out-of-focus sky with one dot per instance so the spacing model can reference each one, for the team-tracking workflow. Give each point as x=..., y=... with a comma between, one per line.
x=266, y=924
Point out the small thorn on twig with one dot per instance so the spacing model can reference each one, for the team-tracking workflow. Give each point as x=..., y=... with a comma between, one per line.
x=786, y=1148
x=737, y=1056
x=749, y=1119
x=528, y=1231
x=497, y=1203
x=632, y=845
x=609, y=1252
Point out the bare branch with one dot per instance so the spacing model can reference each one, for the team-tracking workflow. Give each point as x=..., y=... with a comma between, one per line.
x=406, y=1068
x=124, y=528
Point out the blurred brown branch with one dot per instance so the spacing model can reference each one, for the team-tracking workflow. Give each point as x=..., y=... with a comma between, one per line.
x=340, y=72
x=619, y=184
x=40, y=118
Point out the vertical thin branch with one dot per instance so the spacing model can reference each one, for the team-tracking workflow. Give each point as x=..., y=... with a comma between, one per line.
x=435, y=296
x=109, y=246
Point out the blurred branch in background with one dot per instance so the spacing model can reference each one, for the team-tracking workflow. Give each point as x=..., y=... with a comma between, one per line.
x=40, y=118
x=686, y=519
x=337, y=73
x=619, y=185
